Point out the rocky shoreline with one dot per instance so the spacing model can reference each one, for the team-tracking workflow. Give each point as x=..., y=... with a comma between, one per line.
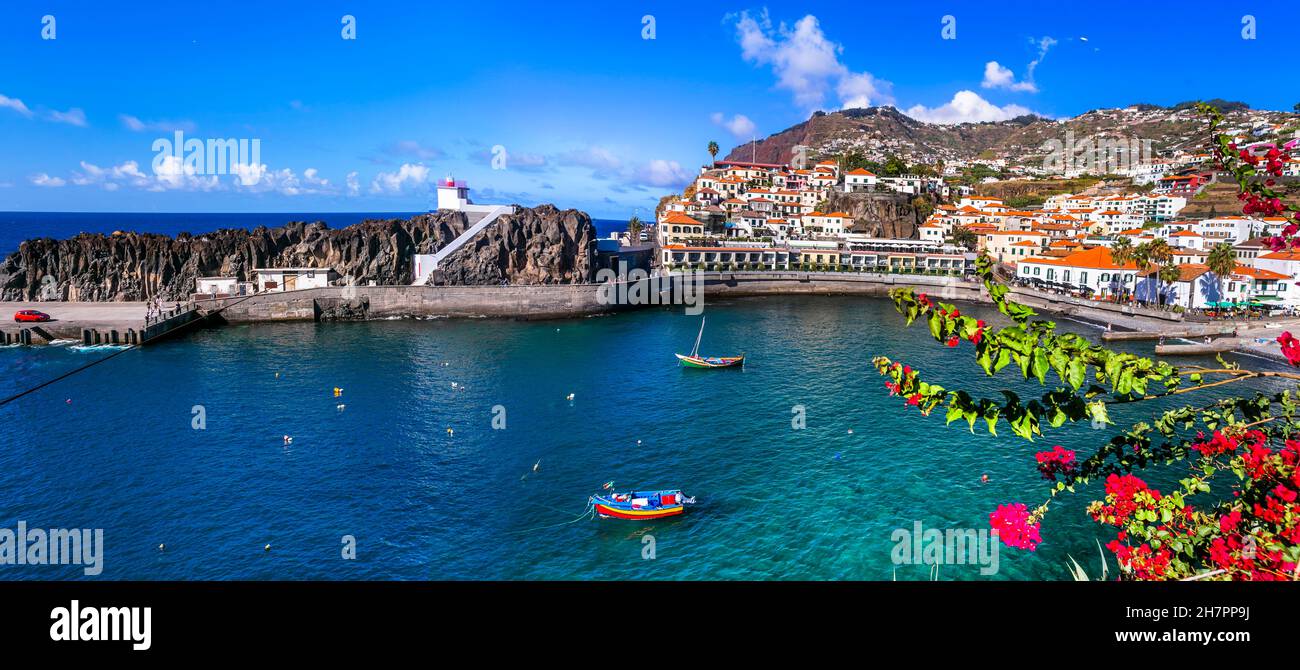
x=538, y=245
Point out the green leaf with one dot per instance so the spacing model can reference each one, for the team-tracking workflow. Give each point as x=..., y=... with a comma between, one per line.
x=1041, y=365
x=1075, y=373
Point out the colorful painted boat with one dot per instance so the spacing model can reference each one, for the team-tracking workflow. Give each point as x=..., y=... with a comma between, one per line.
x=695, y=360
x=641, y=505
x=710, y=361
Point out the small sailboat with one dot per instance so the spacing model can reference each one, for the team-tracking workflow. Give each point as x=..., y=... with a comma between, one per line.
x=695, y=360
x=641, y=504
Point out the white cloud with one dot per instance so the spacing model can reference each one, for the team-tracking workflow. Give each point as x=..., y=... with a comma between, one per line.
x=354, y=186
x=172, y=174
x=43, y=179
x=966, y=107
x=999, y=76
x=806, y=63
x=162, y=125
x=408, y=177
x=15, y=104
x=74, y=116
x=259, y=178
x=248, y=174
x=739, y=125
x=860, y=89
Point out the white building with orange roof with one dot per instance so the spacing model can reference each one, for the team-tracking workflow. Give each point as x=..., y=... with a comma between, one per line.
x=1112, y=221
x=978, y=201
x=677, y=227
x=1248, y=284
x=860, y=179
x=1091, y=271
x=1015, y=245
x=1273, y=225
x=827, y=165
x=1231, y=229
x=1186, y=239
x=934, y=230
x=1286, y=262
x=832, y=223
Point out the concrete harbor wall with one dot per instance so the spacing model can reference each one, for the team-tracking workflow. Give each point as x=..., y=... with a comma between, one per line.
x=551, y=301
x=736, y=284
x=381, y=302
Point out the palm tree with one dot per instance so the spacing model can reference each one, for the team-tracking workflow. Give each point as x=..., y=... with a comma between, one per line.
x=1222, y=261
x=634, y=229
x=1121, y=252
x=713, y=151
x=962, y=236
x=1169, y=273
x=1158, y=251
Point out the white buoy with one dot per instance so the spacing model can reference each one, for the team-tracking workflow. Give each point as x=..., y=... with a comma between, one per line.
x=267, y=547
x=162, y=547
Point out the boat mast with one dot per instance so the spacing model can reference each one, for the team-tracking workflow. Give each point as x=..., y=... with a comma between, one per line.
x=696, y=350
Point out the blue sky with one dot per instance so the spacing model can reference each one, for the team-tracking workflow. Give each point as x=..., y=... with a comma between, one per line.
x=589, y=114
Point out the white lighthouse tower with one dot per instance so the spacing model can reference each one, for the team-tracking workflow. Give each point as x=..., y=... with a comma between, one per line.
x=453, y=194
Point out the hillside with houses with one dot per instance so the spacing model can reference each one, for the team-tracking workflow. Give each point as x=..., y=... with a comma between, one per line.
x=1128, y=233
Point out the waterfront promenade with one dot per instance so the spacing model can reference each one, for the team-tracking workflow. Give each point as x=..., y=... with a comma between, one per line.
x=554, y=301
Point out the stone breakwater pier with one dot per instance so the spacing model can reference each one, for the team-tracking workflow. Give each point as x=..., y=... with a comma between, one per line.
x=124, y=323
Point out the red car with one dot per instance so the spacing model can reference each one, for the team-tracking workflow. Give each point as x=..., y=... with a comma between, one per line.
x=30, y=315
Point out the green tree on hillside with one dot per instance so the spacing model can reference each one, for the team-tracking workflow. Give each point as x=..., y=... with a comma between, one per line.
x=894, y=166
x=962, y=236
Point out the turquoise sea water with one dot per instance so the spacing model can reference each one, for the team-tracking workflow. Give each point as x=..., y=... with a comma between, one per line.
x=774, y=502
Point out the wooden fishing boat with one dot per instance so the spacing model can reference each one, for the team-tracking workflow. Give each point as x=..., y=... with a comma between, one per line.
x=641, y=504
x=695, y=360
x=710, y=362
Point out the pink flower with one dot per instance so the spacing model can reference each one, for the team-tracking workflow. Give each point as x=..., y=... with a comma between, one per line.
x=1013, y=527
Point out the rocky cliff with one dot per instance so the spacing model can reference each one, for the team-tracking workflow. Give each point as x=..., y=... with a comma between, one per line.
x=540, y=245
x=896, y=215
x=543, y=245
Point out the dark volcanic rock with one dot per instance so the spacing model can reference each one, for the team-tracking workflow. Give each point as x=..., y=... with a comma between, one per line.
x=879, y=214
x=136, y=266
x=543, y=245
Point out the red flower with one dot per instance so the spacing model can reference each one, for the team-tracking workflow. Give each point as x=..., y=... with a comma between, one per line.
x=1220, y=444
x=1013, y=527
x=952, y=341
x=1290, y=348
x=1057, y=461
x=1284, y=493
